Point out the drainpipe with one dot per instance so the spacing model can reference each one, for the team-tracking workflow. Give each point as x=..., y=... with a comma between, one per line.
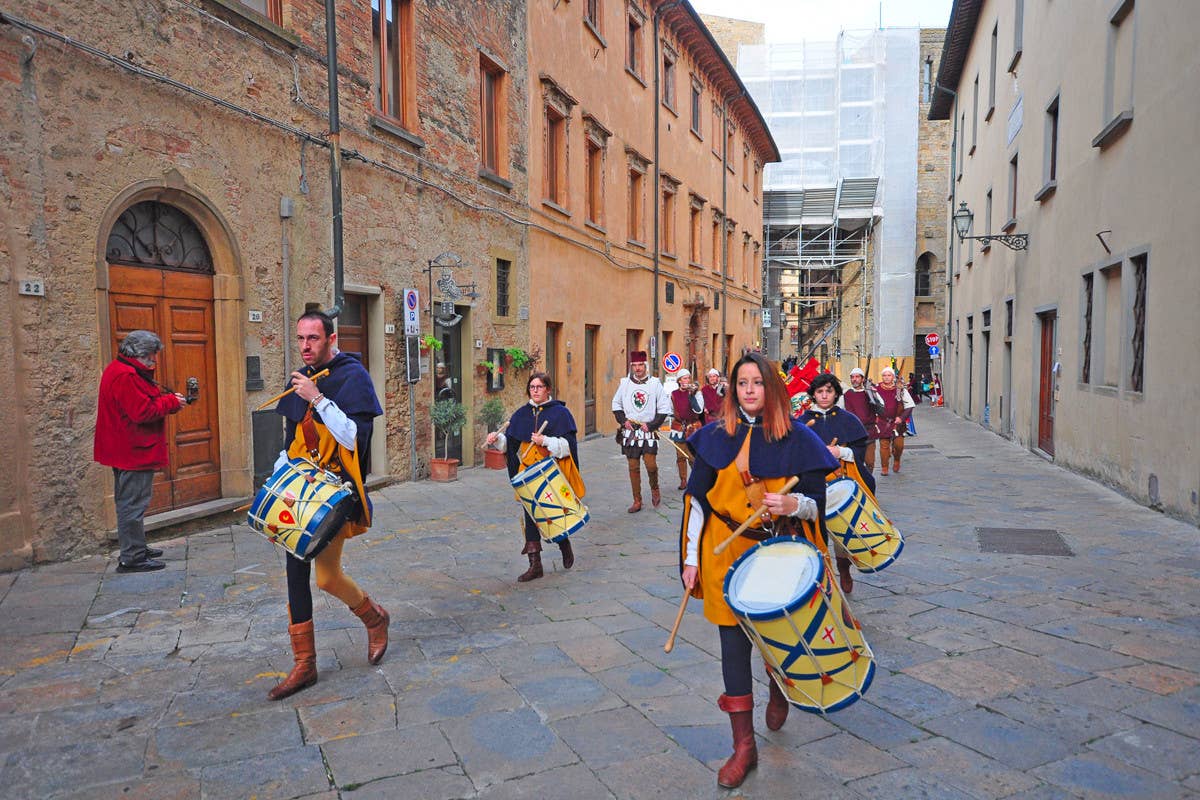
x=335, y=158
x=724, y=231
x=951, y=235
x=657, y=171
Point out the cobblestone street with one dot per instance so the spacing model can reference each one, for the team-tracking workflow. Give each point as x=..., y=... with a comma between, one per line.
x=1000, y=675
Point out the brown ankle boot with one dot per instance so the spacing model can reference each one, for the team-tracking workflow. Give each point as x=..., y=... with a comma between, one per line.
x=777, y=706
x=682, y=475
x=740, y=709
x=534, y=551
x=568, y=555
x=845, y=578
x=655, y=497
x=635, y=483
x=304, y=673
x=376, y=620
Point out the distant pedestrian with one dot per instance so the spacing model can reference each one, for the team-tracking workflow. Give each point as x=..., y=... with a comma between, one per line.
x=713, y=391
x=641, y=405
x=862, y=401
x=687, y=405
x=838, y=425
x=526, y=442
x=131, y=425
x=891, y=425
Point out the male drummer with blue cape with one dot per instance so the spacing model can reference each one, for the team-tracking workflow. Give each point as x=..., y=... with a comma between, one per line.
x=834, y=424
x=542, y=428
x=330, y=426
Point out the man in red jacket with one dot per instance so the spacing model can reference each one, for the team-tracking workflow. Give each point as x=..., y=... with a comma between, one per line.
x=131, y=423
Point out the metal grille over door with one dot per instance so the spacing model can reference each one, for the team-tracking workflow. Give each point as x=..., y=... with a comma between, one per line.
x=152, y=234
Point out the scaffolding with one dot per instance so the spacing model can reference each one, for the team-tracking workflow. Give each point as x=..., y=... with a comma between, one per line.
x=826, y=211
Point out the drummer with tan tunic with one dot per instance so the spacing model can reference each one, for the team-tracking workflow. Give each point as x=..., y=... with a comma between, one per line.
x=540, y=428
x=742, y=463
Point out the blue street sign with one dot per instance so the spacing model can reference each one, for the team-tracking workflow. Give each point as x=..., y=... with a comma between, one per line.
x=935, y=351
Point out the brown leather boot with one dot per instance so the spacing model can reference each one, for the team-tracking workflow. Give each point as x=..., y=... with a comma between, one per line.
x=845, y=578
x=682, y=474
x=534, y=551
x=655, y=497
x=568, y=555
x=376, y=620
x=740, y=709
x=635, y=483
x=304, y=673
x=777, y=706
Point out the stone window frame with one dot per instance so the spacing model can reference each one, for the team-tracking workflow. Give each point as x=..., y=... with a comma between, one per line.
x=696, y=205
x=668, y=192
x=670, y=57
x=637, y=168
x=558, y=106
x=596, y=137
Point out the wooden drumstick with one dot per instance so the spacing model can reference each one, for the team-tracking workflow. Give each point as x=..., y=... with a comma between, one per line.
x=670, y=645
x=682, y=452
x=281, y=395
x=792, y=481
x=501, y=429
x=521, y=455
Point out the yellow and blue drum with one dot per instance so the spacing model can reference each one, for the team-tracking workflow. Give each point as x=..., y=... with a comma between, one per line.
x=301, y=507
x=870, y=538
x=786, y=601
x=547, y=497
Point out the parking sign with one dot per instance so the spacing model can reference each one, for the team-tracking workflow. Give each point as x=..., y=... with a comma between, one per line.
x=412, y=313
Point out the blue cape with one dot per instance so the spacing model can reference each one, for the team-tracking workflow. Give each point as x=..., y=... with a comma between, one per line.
x=559, y=421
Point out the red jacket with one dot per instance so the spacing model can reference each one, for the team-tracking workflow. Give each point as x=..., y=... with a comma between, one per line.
x=131, y=420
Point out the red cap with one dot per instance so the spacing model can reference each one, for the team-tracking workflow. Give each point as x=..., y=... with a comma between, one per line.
x=637, y=357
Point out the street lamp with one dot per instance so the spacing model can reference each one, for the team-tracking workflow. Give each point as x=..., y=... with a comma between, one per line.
x=962, y=226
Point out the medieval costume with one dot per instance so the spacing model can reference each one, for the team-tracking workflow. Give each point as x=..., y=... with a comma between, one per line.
x=686, y=405
x=891, y=424
x=640, y=406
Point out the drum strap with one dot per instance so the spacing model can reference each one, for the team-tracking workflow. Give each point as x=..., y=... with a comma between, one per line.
x=312, y=439
x=754, y=486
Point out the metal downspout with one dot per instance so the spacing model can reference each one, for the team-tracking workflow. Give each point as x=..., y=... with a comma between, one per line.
x=335, y=158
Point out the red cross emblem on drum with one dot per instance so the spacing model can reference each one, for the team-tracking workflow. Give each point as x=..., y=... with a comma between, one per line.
x=828, y=635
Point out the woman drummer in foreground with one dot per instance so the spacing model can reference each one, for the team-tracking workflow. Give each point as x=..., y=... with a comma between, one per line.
x=525, y=446
x=742, y=461
x=837, y=424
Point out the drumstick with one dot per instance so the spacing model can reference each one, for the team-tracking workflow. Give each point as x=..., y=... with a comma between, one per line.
x=682, y=452
x=501, y=429
x=281, y=395
x=521, y=455
x=670, y=645
x=792, y=481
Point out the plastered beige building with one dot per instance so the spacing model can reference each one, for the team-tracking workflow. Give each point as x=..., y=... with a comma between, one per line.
x=1074, y=127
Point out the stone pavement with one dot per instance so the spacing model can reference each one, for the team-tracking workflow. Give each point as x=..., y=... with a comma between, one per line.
x=1000, y=675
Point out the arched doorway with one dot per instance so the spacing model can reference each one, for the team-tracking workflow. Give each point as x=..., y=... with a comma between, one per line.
x=160, y=278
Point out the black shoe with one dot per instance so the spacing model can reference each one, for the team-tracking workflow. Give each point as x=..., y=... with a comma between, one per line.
x=153, y=552
x=145, y=565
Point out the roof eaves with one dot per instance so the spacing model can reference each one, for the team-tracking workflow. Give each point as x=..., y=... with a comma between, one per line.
x=964, y=17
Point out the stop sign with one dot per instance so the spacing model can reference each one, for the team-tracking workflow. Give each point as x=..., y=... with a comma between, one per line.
x=932, y=339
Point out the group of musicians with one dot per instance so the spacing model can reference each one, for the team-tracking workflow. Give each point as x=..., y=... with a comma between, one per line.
x=740, y=438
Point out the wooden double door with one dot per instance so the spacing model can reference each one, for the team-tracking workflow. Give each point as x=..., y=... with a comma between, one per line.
x=178, y=306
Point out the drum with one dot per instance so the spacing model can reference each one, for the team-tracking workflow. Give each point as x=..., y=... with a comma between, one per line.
x=869, y=537
x=786, y=601
x=549, y=501
x=302, y=507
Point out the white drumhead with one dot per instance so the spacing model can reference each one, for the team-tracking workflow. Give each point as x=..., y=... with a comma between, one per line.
x=772, y=576
x=837, y=494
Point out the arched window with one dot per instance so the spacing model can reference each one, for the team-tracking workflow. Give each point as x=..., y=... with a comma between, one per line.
x=153, y=234
x=924, y=282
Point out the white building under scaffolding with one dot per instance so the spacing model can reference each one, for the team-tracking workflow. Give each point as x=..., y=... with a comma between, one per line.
x=840, y=211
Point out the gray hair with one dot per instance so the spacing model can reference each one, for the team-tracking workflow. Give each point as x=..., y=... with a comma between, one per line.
x=139, y=344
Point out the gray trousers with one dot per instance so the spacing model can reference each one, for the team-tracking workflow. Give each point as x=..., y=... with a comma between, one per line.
x=131, y=491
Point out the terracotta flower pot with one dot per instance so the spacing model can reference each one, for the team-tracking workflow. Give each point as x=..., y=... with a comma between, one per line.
x=443, y=470
x=494, y=459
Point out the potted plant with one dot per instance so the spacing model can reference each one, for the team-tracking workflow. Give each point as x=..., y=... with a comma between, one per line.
x=430, y=342
x=449, y=416
x=490, y=415
x=521, y=359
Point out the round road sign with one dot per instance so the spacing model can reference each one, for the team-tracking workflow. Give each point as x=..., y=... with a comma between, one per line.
x=671, y=362
x=932, y=339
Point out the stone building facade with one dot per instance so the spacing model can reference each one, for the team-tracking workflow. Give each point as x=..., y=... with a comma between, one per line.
x=645, y=197
x=933, y=145
x=1076, y=341
x=166, y=164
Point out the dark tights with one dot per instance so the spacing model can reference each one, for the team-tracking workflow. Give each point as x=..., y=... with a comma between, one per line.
x=735, y=660
x=299, y=590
